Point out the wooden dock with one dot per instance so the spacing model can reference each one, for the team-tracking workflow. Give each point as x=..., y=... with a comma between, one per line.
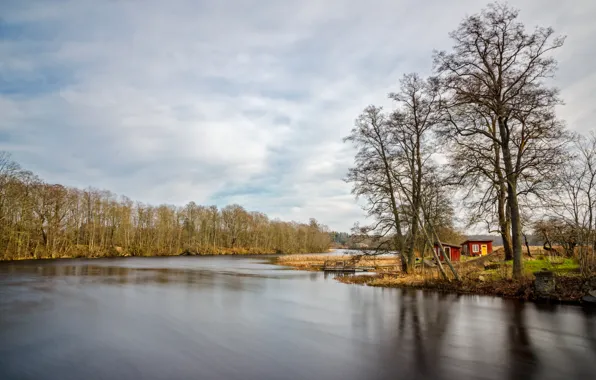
x=344, y=266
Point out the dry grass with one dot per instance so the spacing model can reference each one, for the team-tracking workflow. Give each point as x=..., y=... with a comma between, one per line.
x=314, y=262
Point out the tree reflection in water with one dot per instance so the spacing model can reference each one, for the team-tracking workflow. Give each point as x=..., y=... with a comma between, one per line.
x=523, y=361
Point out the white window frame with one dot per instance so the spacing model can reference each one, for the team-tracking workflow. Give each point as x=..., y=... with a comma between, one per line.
x=475, y=248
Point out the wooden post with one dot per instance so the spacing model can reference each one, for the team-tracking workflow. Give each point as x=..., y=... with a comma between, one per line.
x=447, y=259
x=441, y=269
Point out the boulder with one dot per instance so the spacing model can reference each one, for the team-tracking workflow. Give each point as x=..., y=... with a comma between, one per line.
x=590, y=286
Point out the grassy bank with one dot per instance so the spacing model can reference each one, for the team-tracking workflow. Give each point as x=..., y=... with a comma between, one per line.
x=488, y=275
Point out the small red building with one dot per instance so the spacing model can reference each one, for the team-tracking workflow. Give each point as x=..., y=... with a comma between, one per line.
x=477, y=247
x=452, y=250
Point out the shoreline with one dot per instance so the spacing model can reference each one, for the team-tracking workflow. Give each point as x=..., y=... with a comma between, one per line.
x=507, y=289
x=570, y=287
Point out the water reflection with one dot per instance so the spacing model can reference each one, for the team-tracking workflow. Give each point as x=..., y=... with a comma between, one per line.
x=239, y=318
x=590, y=328
x=137, y=275
x=524, y=362
x=422, y=322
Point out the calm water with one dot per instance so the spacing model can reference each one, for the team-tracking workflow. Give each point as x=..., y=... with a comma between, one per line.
x=240, y=318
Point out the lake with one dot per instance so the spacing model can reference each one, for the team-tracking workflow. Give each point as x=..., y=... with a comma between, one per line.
x=239, y=317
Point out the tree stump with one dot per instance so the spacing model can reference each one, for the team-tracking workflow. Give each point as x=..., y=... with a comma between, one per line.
x=545, y=283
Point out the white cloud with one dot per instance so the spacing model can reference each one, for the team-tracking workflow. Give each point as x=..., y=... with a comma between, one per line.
x=245, y=102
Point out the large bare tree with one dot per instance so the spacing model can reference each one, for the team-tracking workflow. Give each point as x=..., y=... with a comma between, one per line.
x=475, y=166
x=498, y=68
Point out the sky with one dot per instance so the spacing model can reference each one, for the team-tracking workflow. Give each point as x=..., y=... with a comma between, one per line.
x=223, y=102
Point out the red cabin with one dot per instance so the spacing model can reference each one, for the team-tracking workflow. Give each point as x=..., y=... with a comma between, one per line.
x=478, y=247
x=452, y=250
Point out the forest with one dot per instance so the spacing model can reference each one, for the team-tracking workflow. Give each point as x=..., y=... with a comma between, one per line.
x=42, y=220
x=480, y=140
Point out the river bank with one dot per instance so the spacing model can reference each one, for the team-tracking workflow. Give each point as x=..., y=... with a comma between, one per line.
x=489, y=275
x=115, y=252
x=569, y=289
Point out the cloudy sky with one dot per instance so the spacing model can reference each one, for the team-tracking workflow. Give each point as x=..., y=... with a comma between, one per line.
x=223, y=102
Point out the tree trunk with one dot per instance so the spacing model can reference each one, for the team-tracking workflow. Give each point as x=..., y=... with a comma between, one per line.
x=505, y=223
x=403, y=258
x=516, y=238
x=416, y=200
x=399, y=241
x=512, y=200
x=527, y=245
x=437, y=259
x=502, y=204
x=411, y=245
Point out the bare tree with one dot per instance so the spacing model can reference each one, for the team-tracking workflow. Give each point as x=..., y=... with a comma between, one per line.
x=393, y=161
x=373, y=175
x=475, y=166
x=411, y=126
x=570, y=220
x=499, y=68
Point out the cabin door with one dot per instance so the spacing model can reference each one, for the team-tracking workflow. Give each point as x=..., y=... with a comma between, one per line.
x=484, y=249
x=447, y=252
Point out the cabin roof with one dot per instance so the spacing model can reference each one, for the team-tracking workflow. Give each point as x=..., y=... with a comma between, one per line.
x=448, y=245
x=477, y=241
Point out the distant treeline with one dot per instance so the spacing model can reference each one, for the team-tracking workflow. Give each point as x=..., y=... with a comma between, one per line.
x=41, y=220
x=339, y=238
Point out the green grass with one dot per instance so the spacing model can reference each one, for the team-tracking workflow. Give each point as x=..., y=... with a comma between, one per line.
x=559, y=266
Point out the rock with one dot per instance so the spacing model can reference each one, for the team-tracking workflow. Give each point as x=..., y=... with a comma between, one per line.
x=481, y=278
x=544, y=285
x=590, y=286
x=589, y=299
x=592, y=293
